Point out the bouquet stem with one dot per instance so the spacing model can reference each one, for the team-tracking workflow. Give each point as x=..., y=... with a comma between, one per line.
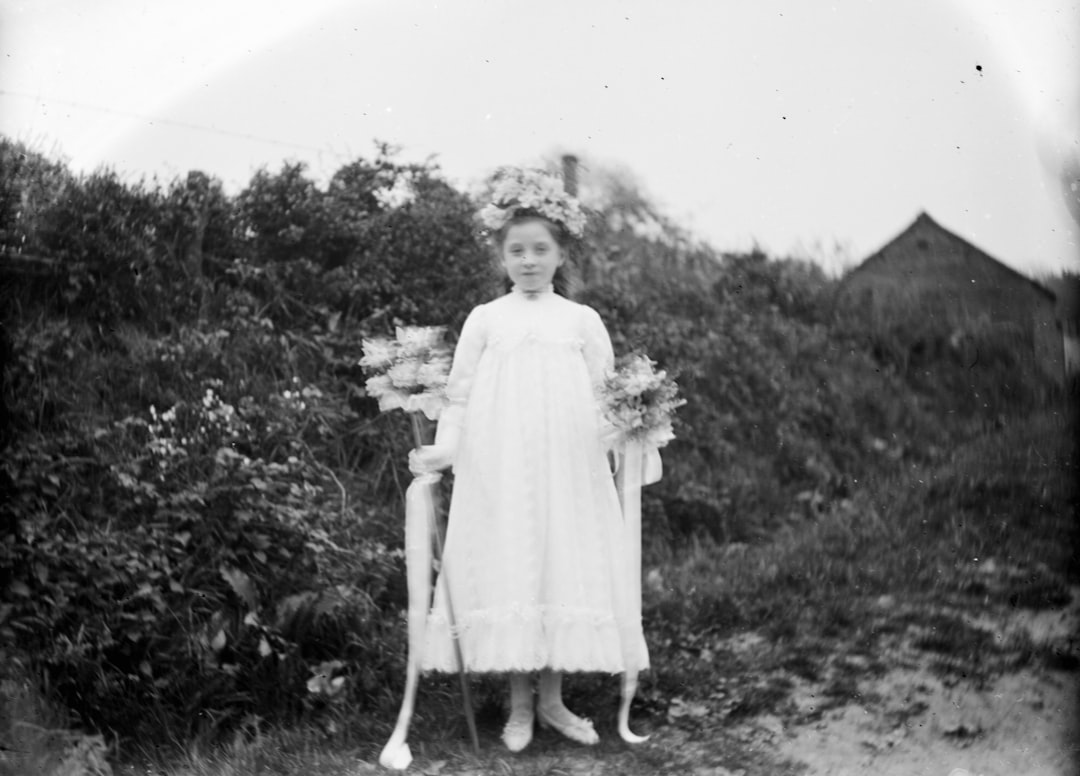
x=417, y=429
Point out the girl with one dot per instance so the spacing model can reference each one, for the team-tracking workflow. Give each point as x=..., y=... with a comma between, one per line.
x=534, y=562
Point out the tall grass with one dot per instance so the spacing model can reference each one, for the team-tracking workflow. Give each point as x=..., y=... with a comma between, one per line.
x=1008, y=496
x=989, y=528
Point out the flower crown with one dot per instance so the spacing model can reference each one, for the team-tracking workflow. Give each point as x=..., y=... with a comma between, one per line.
x=516, y=190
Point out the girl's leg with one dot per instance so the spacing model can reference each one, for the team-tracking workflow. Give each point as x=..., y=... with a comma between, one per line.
x=519, y=728
x=521, y=695
x=553, y=713
x=550, y=688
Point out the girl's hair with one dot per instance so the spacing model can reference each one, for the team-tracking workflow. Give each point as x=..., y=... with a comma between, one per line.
x=565, y=280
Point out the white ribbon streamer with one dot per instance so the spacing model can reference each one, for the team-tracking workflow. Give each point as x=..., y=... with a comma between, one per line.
x=640, y=465
x=419, y=525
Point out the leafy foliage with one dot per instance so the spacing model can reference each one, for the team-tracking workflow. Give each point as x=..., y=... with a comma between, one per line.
x=200, y=502
x=168, y=562
x=30, y=186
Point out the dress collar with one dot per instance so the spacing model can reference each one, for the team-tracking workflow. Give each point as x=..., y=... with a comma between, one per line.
x=537, y=294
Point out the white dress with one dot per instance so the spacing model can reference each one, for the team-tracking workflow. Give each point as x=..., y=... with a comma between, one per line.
x=534, y=555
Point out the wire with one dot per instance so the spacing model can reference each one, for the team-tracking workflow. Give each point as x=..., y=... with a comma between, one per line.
x=169, y=122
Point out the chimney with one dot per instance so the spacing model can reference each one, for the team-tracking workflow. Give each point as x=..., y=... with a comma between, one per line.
x=569, y=174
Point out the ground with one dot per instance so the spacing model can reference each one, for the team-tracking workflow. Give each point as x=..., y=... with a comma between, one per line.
x=913, y=718
x=944, y=690
x=913, y=709
x=932, y=699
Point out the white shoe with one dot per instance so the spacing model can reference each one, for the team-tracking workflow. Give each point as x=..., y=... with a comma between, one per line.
x=519, y=729
x=569, y=724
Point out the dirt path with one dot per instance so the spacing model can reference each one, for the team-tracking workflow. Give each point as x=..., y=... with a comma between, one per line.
x=907, y=717
x=932, y=700
x=913, y=721
x=915, y=724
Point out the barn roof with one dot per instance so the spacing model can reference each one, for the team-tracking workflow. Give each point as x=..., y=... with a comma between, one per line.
x=924, y=219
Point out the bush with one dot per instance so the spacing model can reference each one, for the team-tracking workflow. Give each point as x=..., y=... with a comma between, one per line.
x=783, y=412
x=189, y=567
x=965, y=371
x=201, y=504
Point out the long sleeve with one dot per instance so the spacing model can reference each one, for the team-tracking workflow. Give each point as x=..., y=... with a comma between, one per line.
x=600, y=360
x=467, y=354
x=599, y=355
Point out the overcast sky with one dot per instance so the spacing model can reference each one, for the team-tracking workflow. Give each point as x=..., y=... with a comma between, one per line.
x=797, y=125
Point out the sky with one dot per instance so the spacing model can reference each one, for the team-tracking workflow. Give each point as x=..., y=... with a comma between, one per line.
x=812, y=128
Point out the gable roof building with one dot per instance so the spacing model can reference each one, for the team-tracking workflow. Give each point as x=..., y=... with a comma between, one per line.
x=930, y=274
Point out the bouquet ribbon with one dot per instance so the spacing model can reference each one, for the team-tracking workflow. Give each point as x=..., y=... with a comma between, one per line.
x=640, y=465
x=652, y=465
x=419, y=525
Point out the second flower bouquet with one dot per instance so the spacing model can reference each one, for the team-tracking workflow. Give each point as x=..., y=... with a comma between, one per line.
x=639, y=401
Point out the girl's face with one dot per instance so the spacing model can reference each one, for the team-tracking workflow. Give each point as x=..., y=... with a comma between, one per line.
x=531, y=255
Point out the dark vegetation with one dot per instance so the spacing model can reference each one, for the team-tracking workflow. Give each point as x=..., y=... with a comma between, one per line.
x=200, y=523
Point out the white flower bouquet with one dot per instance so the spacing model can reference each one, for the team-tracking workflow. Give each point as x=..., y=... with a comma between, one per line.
x=639, y=401
x=410, y=371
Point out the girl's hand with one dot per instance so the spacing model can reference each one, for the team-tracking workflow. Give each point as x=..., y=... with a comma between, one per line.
x=430, y=458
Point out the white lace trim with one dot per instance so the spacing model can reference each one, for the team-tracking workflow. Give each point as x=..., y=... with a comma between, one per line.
x=549, y=616
x=530, y=638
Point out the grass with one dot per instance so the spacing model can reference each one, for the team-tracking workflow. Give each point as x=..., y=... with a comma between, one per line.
x=899, y=573
x=36, y=737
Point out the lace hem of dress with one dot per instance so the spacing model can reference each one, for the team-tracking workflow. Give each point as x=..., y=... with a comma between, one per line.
x=546, y=615
x=560, y=638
